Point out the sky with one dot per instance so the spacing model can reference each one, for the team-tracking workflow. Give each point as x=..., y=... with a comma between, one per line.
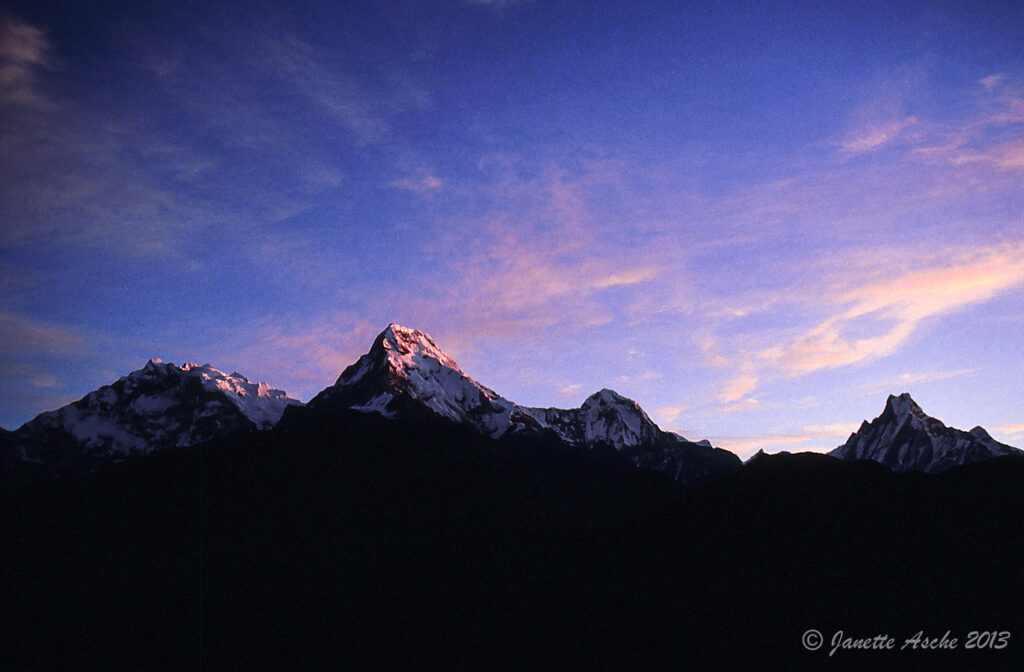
x=755, y=219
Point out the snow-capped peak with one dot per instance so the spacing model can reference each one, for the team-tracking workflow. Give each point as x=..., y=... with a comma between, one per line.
x=153, y=408
x=905, y=438
x=406, y=374
x=611, y=417
x=903, y=406
x=259, y=402
x=410, y=347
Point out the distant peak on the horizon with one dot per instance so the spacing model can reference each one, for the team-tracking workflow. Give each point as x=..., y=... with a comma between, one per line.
x=905, y=438
x=235, y=380
x=159, y=406
x=903, y=404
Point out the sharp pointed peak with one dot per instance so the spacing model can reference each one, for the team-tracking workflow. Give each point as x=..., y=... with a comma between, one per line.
x=395, y=329
x=903, y=404
x=400, y=349
x=398, y=335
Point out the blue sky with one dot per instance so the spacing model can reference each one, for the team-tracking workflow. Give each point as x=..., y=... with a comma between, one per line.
x=757, y=221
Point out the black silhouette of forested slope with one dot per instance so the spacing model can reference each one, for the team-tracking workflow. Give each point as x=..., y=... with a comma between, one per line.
x=354, y=542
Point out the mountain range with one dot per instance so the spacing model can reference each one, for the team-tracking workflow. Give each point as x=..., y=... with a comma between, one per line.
x=159, y=406
x=905, y=438
x=407, y=516
x=406, y=377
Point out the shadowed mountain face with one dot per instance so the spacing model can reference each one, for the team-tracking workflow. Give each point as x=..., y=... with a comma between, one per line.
x=358, y=542
x=905, y=438
x=157, y=407
x=405, y=375
x=409, y=515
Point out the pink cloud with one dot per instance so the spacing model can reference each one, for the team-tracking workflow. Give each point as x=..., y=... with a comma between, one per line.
x=669, y=414
x=874, y=136
x=906, y=379
x=992, y=81
x=737, y=388
x=632, y=276
x=24, y=50
x=1012, y=432
x=895, y=305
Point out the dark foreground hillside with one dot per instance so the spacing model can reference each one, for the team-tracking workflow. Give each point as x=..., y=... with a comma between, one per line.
x=359, y=543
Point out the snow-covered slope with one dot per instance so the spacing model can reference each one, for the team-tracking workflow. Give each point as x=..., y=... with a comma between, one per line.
x=156, y=407
x=406, y=375
x=905, y=438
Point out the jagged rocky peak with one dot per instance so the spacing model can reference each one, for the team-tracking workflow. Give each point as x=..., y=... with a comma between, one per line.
x=399, y=350
x=903, y=405
x=158, y=406
x=405, y=375
x=259, y=402
x=410, y=347
x=607, y=415
x=905, y=438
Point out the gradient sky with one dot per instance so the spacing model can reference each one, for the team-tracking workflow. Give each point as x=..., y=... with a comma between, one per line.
x=755, y=220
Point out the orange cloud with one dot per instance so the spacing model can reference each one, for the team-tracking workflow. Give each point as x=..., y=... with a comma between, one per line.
x=1012, y=432
x=899, y=302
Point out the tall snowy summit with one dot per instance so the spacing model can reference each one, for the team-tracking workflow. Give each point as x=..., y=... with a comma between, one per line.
x=405, y=375
x=156, y=407
x=905, y=438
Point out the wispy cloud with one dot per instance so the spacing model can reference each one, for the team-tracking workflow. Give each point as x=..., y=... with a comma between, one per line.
x=1012, y=432
x=744, y=404
x=711, y=349
x=991, y=82
x=361, y=96
x=907, y=379
x=24, y=51
x=892, y=307
x=668, y=414
x=737, y=388
x=875, y=136
x=19, y=333
x=424, y=184
x=569, y=391
x=536, y=252
x=343, y=96
x=981, y=140
x=632, y=276
x=301, y=355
